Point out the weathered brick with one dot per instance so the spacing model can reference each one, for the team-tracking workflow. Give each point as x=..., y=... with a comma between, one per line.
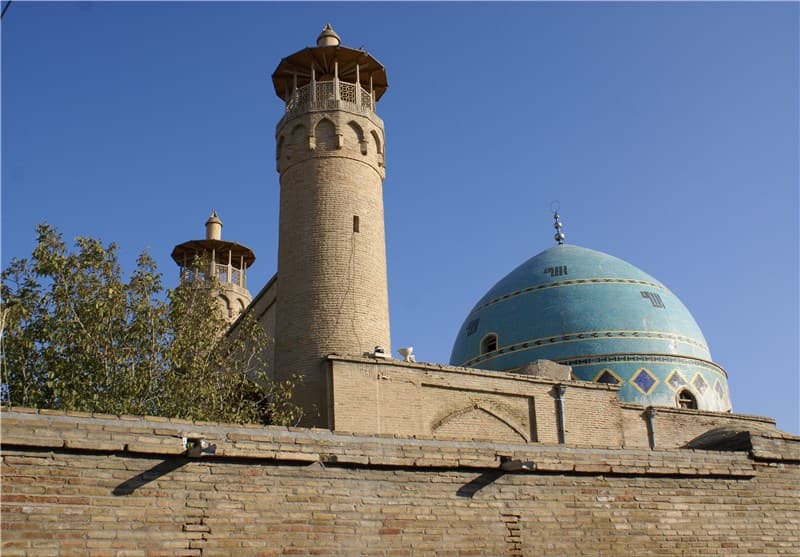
x=393, y=499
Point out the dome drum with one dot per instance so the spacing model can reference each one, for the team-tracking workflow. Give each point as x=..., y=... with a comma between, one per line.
x=651, y=382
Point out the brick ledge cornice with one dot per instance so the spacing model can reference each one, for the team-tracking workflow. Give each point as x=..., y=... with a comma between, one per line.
x=155, y=436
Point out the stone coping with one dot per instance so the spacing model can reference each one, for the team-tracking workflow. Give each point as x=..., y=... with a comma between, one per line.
x=764, y=421
x=163, y=437
x=505, y=375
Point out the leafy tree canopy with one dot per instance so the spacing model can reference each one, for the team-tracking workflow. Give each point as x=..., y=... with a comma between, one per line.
x=77, y=336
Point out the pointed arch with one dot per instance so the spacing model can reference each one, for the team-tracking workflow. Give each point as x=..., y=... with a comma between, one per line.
x=355, y=137
x=356, y=130
x=489, y=343
x=483, y=419
x=378, y=144
x=226, y=305
x=298, y=142
x=325, y=135
x=685, y=398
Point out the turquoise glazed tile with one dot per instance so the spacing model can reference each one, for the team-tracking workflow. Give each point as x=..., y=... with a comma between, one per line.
x=593, y=311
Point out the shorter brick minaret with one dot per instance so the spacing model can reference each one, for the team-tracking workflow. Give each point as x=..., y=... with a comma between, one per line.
x=227, y=261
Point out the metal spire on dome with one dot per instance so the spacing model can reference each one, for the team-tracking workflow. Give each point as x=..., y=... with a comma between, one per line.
x=559, y=237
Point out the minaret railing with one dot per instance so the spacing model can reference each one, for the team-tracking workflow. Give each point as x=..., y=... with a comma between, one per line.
x=222, y=272
x=322, y=95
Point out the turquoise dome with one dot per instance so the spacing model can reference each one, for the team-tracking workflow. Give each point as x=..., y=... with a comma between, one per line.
x=610, y=321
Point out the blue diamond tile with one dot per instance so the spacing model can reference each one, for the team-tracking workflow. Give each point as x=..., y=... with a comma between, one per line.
x=720, y=390
x=644, y=380
x=700, y=384
x=676, y=380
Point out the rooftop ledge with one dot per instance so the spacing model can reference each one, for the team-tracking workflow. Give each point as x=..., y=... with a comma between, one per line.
x=25, y=429
x=427, y=366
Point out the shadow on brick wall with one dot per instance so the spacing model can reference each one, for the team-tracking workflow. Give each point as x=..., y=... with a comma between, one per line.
x=474, y=486
x=159, y=470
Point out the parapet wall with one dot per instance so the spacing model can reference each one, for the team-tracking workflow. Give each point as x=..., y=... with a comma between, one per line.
x=445, y=402
x=379, y=396
x=76, y=484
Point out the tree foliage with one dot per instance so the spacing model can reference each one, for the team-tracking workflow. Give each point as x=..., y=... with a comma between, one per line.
x=77, y=336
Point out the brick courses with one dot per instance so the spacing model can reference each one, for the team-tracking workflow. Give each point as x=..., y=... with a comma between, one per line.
x=332, y=293
x=412, y=399
x=74, y=484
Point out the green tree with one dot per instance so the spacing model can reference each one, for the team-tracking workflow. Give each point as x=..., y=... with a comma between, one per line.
x=76, y=336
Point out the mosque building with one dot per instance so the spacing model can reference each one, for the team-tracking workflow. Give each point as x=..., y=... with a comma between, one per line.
x=580, y=413
x=569, y=318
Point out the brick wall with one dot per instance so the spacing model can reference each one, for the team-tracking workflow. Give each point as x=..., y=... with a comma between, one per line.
x=263, y=309
x=675, y=427
x=448, y=402
x=390, y=396
x=103, y=485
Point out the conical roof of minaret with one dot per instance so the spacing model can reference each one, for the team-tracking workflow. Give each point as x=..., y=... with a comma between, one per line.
x=214, y=218
x=328, y=37
x=322, y=57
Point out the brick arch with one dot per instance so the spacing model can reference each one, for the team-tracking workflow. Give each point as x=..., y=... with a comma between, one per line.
x=357, y=131
x=378, y=143
x=479, y=416
x=325, y=135
x=354, y=138
x=298, y=142
x=226, y=304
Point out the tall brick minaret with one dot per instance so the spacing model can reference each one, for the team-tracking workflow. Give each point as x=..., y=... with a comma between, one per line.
x=332, y=290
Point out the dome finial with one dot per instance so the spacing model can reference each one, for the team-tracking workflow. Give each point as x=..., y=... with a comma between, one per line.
x=559, y=237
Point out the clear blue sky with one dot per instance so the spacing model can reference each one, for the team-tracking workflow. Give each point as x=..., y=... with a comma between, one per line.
x=667, y=132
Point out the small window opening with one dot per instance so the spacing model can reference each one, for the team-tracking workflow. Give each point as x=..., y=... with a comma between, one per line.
x=356, y=224
x=489, y=343
x=687, y=400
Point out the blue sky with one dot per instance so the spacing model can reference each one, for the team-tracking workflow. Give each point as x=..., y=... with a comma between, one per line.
x=668, y=133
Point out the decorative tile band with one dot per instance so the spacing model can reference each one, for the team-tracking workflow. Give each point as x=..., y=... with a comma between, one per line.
x=580, y=337
x=648, y=359
x=560, y=283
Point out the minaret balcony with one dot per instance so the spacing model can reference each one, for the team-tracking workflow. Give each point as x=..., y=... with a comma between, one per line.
x=325, y=95
x=229, y=277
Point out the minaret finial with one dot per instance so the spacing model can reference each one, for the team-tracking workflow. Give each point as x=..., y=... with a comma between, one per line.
x=328, y=37
x=559, y=237
x=213, y=227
